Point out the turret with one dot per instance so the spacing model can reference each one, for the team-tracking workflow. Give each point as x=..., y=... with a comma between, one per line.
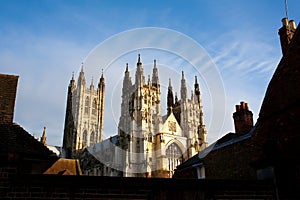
x=81, y=79
x=170, y=98
x=155, y=80
x=243, y=119
x=101, y=98
x=139, y=74
x=197, y=91
x=72, y=84
x=44, y=137
x=92, y=85
x=101, y=84
x=286, y=33
x=183, y=89
x=127, y=84
x=69, y=128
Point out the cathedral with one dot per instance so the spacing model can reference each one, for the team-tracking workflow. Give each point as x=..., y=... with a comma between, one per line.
x=148, y=144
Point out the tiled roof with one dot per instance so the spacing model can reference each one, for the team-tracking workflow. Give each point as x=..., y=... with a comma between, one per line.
x=14, y=139
x=283, y=91
x=65, y=167
x=279, y=117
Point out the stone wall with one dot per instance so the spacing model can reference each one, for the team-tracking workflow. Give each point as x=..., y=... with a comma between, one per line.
x=87, y=187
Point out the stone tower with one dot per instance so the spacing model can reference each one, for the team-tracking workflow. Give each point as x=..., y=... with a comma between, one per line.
x=84, y=115
x=140, y=118
x=152, y=145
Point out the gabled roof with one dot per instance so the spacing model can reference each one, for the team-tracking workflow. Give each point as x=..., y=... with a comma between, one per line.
x=166, y=126
x=65, y=167
x=279, y=128
x=284, y=88
x=14, y=139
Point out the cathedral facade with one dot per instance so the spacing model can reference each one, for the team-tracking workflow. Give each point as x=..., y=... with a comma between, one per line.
x=84, y=115
x=152, y=145
x=148, y=143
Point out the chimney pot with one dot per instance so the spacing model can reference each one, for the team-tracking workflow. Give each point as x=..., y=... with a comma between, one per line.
x=284, y=21
x=242, y=105
x=292, y=24
x=246, y=106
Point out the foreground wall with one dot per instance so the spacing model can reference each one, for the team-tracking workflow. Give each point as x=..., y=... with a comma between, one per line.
x=87, y=187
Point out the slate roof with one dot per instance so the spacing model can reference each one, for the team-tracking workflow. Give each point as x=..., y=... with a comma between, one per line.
x=226, y=140
x=14, y=139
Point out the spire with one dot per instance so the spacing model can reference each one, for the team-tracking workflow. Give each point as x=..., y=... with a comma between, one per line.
x=176, y=98
x=101, y=82
x=170, y=98
x=72, y=84
x=81, y=67
x=44, y=138
x=126, y=81
x=92, y=84
x=139, y=74
x=102, y=77
x=81, y=78
x=183, y=89
x=73, y=78
x=139, y=60
x=155, y=80
x=149, y=80
x=197, y=90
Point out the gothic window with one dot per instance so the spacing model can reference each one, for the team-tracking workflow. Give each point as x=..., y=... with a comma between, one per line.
x=145, y=99
x=94, y=107
x=174, y=156
x=92, y=138
x=150, y=137
x=86, y=105
x=84, y=139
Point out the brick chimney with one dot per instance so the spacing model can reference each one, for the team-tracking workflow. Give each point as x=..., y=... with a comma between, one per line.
x=243, y=119
x=286, y=33
x=8, y=89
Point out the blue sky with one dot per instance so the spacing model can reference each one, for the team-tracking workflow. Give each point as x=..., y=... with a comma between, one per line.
x=45, y=41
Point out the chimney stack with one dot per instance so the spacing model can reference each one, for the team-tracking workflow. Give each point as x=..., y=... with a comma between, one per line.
x=243, y=118
x=8, y=90
x=286, y=33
